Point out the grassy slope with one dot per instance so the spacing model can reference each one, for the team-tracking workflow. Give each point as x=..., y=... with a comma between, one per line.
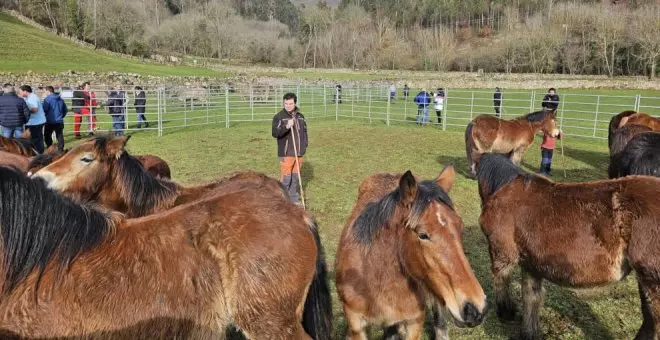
x=342, y=153
x=24, y=48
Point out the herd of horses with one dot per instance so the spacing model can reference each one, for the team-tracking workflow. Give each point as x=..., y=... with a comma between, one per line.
x=99, y=244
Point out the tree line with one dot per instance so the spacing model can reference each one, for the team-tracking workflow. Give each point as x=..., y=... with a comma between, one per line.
x=539, y=36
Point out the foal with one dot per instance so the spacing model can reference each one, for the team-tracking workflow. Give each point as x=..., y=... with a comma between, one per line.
x=640, y=156
x=101, y=170
x=401, y=249
x=490, y=134
x=574, y=235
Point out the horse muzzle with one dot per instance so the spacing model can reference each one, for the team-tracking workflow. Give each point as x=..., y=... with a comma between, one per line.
x=471, y=316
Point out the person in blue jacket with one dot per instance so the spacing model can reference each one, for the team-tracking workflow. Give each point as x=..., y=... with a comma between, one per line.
x=423, y=100
x=55, y=109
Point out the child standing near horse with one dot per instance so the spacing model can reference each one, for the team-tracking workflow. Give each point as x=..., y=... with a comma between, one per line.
x=547, y=149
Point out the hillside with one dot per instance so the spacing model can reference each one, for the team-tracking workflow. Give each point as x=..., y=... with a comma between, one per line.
x=25, y=48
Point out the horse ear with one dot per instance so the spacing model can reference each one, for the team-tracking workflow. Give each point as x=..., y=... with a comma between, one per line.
x=408, y=188
x=446, y=178
x=115, y=146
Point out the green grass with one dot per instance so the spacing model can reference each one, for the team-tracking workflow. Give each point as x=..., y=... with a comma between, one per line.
x=343, y=153
x=25, y=48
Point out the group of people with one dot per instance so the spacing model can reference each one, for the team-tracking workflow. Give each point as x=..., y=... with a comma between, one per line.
x=24, y=110
x=290, y=129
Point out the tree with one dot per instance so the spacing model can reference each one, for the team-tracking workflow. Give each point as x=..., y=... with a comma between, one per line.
x=645, y=32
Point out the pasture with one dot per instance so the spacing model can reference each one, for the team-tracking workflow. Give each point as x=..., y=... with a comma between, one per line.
x=342, y=153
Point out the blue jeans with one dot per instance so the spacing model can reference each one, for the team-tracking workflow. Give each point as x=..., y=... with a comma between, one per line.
x=423, y=110
x=118, y=124
x=15, y=132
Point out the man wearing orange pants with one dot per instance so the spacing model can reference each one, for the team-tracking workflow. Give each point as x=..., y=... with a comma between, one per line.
x=290, y=129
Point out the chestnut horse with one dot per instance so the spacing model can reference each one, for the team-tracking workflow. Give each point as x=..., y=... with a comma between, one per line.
x=248, y=257
x=626, y=118
x=27, y=163
x=117, y=180
x=572, y=234
x=17, y=146
x=641, y=156
x=154, y=165
x=401, y=249
x=487, y=133
x=621, y=137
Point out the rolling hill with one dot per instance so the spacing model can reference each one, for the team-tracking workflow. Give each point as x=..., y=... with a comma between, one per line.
x=25, y=48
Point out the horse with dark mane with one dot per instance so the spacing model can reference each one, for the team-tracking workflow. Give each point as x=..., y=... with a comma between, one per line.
x=401, y=249
x=487, y=133
x=17, y=146
x=640, y=156
x=102, y=170
x=247, y=257
x=572, y=234
x=627, y=118
x=621, y=137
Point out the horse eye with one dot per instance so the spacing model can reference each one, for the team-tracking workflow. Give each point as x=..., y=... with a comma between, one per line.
x=423, y=236
x=87, y=160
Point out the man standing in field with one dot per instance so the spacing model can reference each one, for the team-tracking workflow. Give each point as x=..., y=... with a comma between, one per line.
x=551, y=100
x=497, y=101
x=37, y=118
x=290, y=129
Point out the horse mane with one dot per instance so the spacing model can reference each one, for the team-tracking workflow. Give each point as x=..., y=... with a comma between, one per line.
x=535, y=117
x=43, y=160
x=622, y=136
x=39, y=226
x=142, y=192
x=19, y=146
x=495, y=170
x=377, y=215
x=641, y=156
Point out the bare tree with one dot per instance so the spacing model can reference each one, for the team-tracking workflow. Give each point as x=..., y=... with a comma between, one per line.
x=645, y=32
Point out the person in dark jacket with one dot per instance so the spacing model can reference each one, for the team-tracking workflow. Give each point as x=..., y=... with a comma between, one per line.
x=14, y=113
x=423, y=100
x=497, y=101
x=406, y=91
x=56, y=110
x=290, y=129
x=77, y=103
x=140, y=107
x=551, y=100
x=115, y=104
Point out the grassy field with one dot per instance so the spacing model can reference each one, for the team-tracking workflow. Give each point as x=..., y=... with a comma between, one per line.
x=343, y=153
x=25, y=48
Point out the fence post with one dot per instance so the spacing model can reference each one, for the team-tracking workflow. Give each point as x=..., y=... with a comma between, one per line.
x=91, y=112
x=561, y=118
x=472, y=105
x=405, y=108
x=227, y=106
x=353, y=101
x=325, y=102
x=638, y=100
x=387, y=119
x=336, y=104
x=370, y=105
x=159, y=123
x=252, y=100
x=208, y=100
x=596, y=120
x=531, y=101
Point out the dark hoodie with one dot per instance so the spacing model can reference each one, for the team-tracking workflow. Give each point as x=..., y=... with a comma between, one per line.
x=285, y=137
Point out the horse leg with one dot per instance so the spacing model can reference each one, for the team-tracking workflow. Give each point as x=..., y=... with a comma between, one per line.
x=517, y=155
x=532, y=293
x=392, y=332
x=439, y=323
x=504, y=262
x=650, y=315
x=355, y=325
x=414, y=328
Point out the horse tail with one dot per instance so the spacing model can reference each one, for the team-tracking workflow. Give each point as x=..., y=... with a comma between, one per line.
x=317, y=314
x=614, y=125
x=469, y=144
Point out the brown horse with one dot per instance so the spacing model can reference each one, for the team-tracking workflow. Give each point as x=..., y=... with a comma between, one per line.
x=17, y=146
x=574, y=234
x=27, y=163
x=641, y=156
x=116, y=180
x=626, y=118
x=621, y=137
x=248, y=257
x=401, y=249
x=155, y=166
x=487, y=133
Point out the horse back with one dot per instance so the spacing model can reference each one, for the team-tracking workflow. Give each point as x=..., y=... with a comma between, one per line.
x=492, y=134
x=12, y=159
